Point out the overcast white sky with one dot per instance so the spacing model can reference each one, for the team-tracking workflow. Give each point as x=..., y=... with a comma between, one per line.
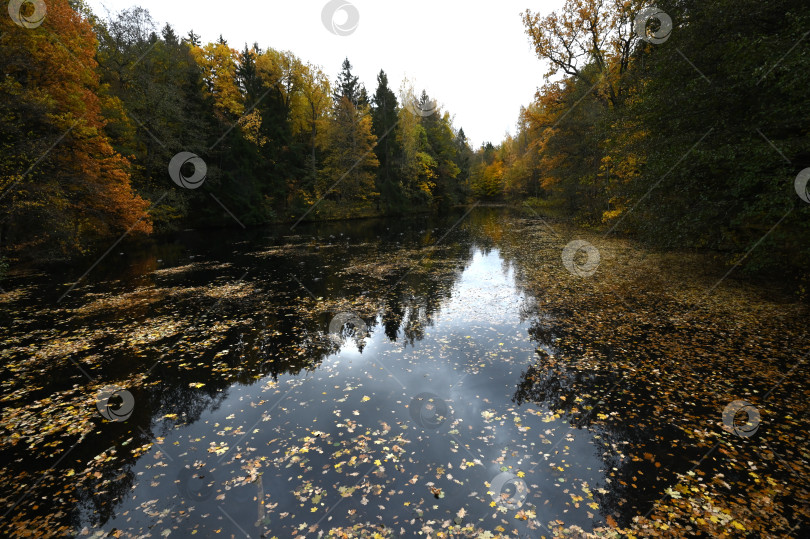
x=472, y=56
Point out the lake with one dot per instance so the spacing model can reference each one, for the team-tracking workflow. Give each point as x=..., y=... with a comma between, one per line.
x=394, y=376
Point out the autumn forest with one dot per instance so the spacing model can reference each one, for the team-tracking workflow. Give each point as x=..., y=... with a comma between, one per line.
x=94, y=111
x=246, y=295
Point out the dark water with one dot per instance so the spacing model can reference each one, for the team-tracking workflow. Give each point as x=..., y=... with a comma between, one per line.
x=291, y=382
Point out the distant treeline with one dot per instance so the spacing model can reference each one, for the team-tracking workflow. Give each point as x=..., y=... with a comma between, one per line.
x=691, y=137
x=92, y=113
x=685, y=125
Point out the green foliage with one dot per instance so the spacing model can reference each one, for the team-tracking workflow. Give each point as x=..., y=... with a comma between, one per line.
x=277, y=138
x=349, y=86
x=693, y=142
x=443, y=149
x=163, y=110
x=734, y=186
x=384, y=114
x=350, y=163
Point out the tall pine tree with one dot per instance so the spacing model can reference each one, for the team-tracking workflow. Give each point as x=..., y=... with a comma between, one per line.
x=349, y=86
x=384, y=119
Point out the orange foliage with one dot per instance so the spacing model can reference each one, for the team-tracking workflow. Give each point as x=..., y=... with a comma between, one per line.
x=84, y=178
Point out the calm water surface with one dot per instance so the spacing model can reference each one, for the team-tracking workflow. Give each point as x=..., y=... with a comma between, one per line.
x=291, y=382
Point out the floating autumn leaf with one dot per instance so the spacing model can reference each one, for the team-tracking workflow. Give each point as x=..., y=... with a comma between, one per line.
x=218, y=448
